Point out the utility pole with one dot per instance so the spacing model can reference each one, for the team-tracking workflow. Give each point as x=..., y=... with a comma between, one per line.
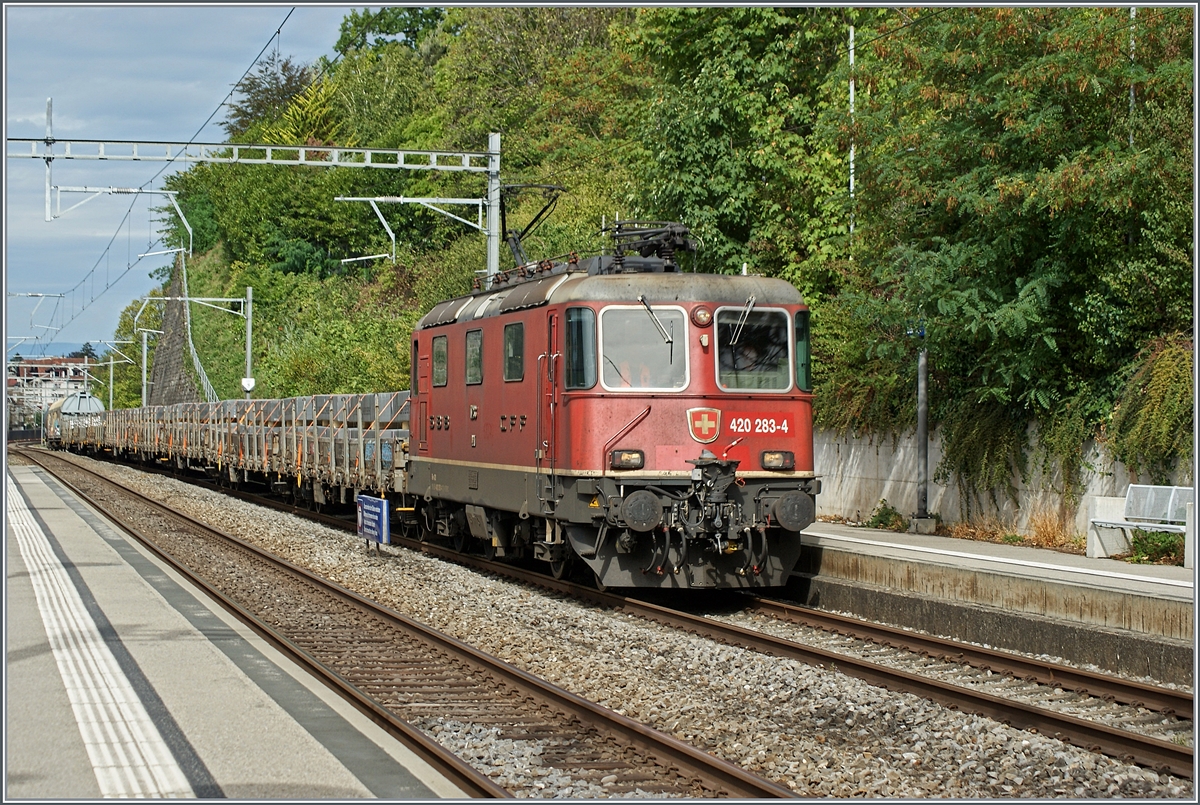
x=493, y=207
x=923, y=433
x=112, y=345
x=852, y=124
x=1132, y=26
x=921, y=522
x=144, y=333
x=248, y=380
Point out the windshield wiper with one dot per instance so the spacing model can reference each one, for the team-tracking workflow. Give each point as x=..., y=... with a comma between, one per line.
x=666, y=336
x=737, y=332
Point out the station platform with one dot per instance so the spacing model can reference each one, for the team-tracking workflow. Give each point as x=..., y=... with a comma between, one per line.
x=1128, y=618
x=124, y=681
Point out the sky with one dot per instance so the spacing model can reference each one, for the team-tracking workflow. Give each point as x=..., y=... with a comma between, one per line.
x=116, y=72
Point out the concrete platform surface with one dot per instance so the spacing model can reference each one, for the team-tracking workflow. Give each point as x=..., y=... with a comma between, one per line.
x=1161, y=581
x=121, y=680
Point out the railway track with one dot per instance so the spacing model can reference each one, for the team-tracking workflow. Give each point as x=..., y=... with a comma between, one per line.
x=411, y=679
x=1000, y=668
x=1166, y=701
x=1000, y=704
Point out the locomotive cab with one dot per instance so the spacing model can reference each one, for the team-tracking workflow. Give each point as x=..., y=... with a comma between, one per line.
x=689, y=435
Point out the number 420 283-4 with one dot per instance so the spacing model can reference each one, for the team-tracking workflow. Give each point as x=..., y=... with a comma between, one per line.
x=764, y=423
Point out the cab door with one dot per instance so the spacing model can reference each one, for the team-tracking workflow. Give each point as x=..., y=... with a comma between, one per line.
x=548, y=395
x=420, y=389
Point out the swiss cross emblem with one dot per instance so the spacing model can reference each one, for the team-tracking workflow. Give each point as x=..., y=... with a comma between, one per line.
x=704, y=424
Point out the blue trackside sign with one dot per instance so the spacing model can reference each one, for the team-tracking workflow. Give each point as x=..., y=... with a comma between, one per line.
x=373, y=521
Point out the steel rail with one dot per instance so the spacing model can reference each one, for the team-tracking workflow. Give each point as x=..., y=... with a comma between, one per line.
x=675, y=753
x=1164, y=700
x=1130, y=747
x=1127, y=746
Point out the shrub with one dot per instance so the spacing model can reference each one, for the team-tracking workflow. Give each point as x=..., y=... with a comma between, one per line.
x=1156, y=548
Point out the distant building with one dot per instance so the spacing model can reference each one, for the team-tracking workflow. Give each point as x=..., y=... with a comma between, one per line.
x=34, y=384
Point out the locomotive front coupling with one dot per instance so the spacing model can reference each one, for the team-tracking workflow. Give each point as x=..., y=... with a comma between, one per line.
x=713, y=529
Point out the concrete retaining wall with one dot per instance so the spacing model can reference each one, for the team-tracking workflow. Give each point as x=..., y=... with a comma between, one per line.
x=857, y=473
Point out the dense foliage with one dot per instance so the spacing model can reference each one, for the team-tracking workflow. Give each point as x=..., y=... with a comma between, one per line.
x=1022, y=202
x=1019, y=203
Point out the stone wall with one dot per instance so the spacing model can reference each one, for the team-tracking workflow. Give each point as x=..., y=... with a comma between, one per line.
x=171, y=377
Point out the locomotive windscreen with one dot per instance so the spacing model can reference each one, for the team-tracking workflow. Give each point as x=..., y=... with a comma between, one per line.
x=636, y=353
x=752, y=349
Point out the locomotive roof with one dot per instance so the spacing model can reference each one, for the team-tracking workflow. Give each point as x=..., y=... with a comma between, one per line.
x=662, y=288
x=589, y=282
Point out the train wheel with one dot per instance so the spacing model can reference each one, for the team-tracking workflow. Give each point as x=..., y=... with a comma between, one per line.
x=460, y=541
x=561, y=568
x=409, y=530
x=601, y=586
x=489, y=550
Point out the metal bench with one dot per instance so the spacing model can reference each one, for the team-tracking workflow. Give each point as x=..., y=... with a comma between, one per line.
x=1147, y=508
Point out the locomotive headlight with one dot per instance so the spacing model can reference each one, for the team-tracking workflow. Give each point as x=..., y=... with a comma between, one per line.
x=701, y=316
x=778, y=460
x=628, y=459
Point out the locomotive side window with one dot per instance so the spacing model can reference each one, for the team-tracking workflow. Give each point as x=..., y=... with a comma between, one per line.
x=439, y=360
x=803, y=352
x=753, y=349
x=514, y=351
x=643, y=348
x=581, y=348
x=474, y=357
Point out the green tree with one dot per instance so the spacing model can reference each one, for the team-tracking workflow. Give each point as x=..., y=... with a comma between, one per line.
x=731, y=131
x=127, y=371
x=375, y=30
x=1009, y=199
x=494, y=74
x=309, y=119
x=264, y=93
x=383, y=99
x=86, y=351
x=1010, y=203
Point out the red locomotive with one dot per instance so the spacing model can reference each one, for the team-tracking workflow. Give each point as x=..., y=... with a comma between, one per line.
x=656, y=425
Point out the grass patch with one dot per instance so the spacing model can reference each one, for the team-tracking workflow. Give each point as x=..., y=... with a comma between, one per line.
x=1052, y=527
x=886, y=517
x=1048, y=528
